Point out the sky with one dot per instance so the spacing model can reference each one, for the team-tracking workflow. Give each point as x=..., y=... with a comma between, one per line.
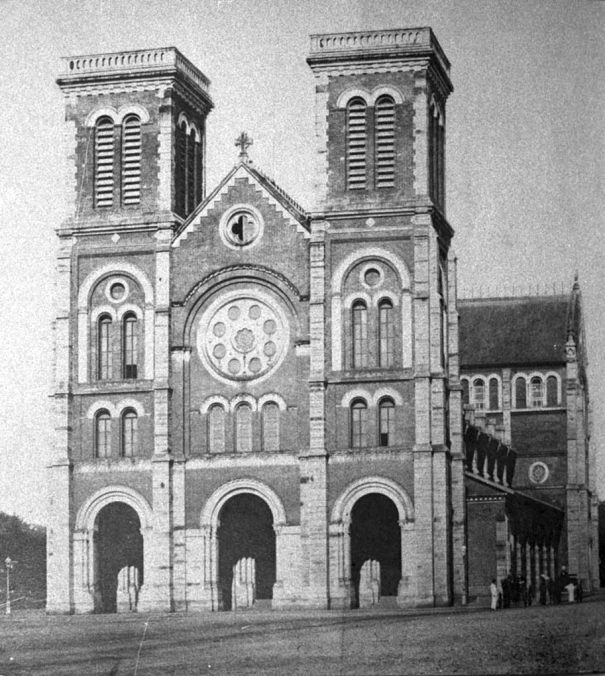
x=525, y=154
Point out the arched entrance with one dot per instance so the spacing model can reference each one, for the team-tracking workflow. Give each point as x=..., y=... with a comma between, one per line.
x=118, y=558
x=246, y=551
x=375, y=549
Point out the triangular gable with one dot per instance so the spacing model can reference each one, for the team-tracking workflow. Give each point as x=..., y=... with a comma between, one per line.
x=277, y=197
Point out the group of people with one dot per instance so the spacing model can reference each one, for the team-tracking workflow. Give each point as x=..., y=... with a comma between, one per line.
x=514, y=590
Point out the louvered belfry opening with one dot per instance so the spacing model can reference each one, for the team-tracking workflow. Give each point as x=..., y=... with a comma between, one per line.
x=191, y=172
x=104, y=162
x=385, y=142
x=131, y=160
x=356, y=144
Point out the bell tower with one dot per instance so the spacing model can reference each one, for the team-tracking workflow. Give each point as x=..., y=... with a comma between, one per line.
x=136, y=128
x=381, y=234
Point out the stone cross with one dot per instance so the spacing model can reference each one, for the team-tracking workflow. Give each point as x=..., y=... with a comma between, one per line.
x=244, y=142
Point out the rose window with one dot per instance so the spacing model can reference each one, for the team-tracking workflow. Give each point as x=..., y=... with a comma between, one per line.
x=243, y=338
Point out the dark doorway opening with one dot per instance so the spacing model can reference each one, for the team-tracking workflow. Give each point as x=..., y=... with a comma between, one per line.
x=119, y=544
x=376, y=535
x=246, y=531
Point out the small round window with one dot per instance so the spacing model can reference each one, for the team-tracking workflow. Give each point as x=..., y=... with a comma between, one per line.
x=538, y=473
x=372, y=277
x=242, y=228
x=117, y=291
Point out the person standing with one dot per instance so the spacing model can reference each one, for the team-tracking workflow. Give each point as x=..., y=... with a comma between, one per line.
x=493, y=590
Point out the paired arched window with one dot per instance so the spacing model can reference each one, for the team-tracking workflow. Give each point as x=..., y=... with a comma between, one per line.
x=357, y=141
x=129, y=433
x=216, y=429
x=104, y=351
x=129, y=346
x=384, y=135
x=373, y=335
x=102, y=434
x=188, y=168
x=359, y=434
x=360, y=334
x=106, y=138
x=552, y=391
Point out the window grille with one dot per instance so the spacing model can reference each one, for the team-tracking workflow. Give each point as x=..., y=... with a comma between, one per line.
x=104, y=162
x=536, y=392
x=243, y=428
x=130, y=347
x=270, y=427
x=479, y=393
x=102, y=435
x=129, y=433
x=104, y=348
x=216, y=429
x=359, y=420
x=131, y=160
x=360, y=335
x=386, y=419
x=356, y=144
x=385, y=142
x=387, y=333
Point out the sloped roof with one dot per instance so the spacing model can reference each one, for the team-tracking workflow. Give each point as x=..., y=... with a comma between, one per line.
x=513, y=331
x=289, y=208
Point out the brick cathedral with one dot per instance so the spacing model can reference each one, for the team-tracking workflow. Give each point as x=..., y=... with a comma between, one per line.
x=260, y=405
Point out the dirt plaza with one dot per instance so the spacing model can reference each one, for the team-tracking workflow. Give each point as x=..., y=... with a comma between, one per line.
x=565, y=639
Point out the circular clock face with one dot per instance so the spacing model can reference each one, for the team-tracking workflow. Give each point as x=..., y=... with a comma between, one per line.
x=243, y=336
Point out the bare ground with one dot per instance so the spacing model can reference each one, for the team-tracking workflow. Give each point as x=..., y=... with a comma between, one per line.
x=566, y=639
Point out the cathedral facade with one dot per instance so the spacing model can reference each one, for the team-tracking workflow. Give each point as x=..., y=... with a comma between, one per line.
x=256, y=404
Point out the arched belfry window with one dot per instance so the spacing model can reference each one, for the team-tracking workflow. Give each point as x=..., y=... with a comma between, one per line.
x=386, y=329
x=191, y=172
x=131, y=160
x=216, y=429
x=360, y=334
x=243, y=428
x=386, y=421
x=130, y=346
x=270, y=427
x=359, y=424
x=384, y=139
x=129, y=433
x=104, y=347
x=181, y=165
x=104, y=162
x=102, y=434
x=356, y=144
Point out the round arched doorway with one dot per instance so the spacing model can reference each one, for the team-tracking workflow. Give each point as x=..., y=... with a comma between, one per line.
x=246, y=551
x=118, y=558
x=375, y=536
